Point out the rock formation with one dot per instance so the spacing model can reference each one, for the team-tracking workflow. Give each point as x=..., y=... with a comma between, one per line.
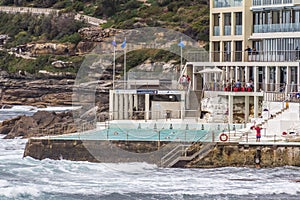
x=44, y=123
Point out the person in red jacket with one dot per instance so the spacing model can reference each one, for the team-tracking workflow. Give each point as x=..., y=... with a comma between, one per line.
x=258, y=134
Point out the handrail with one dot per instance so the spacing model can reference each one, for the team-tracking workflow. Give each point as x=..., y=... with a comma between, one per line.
x=165, y=158
x=178, y=152
x=182, y=72
x=189, y=87
x=202, y=150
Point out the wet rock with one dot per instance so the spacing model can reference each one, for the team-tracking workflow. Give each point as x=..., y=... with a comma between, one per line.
x=40, y=124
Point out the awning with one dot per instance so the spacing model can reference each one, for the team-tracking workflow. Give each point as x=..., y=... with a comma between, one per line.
x=210, y=70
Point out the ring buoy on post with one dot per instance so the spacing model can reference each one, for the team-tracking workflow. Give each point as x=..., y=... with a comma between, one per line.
x=223, y=137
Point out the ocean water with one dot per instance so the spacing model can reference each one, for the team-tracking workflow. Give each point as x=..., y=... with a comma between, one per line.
x=18, y=110
x=27, y=178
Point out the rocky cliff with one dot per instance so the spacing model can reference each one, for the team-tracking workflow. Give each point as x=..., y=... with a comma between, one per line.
x=39, y=92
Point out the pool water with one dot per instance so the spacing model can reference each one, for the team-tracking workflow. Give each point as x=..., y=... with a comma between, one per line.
x=155, y=133
x=141, y=135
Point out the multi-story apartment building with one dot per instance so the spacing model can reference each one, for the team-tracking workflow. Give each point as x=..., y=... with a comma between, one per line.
x=252, y=41
x=262, y=34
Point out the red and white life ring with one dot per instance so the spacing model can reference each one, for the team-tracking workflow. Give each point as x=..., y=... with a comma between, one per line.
x=223, y=137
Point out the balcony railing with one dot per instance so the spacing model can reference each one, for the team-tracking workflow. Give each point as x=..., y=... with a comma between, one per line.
x=216, y=30
x=221, y=85
x=227, y=30
x=269, y=28
x=275, y=56
x=238, y=30
x=227, y=3
x=270, y=2
x=197, y=56
x=256, y=56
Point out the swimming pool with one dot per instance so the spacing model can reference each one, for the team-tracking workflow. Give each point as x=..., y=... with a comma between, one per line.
x=153, y=132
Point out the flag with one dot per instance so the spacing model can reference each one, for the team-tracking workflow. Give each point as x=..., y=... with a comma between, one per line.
x=114, y=43
x=181, y=44
x=123, y=45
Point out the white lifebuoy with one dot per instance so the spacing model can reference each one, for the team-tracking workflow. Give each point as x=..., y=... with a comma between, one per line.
x=223, y=137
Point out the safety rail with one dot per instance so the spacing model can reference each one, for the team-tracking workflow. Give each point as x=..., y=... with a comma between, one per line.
x=188, y=95
x=180, y=153
x=176, y=152
x=182, y=72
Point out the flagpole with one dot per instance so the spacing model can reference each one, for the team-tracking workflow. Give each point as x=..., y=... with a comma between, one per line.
x=180, y=56
x=125, y=65
x=114, y=65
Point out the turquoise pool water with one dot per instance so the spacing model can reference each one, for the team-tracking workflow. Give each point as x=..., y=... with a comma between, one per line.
x=156, y=133
x=141, y=135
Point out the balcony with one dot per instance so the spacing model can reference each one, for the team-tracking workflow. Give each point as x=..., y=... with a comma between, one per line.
x=271, y=2
x=271, y=88
x=273, y=56
x=227, y=3
x=271, y=28
x=237, y=56
x=257, y=56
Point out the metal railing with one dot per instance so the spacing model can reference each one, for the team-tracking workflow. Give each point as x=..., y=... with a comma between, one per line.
x=180, y=152
x=165, y=114
x=174, y=154
x=280, y=88
x=227, y=3
x=269, y=28
x=147, y=84
x=270, y=2
x=256, y=56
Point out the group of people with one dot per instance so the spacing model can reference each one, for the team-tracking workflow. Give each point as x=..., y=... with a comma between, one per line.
x=237, y=86
x=184, y=81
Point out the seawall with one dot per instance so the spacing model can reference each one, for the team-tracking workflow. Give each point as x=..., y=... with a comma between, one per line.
x=249, y=155
x=220, y=155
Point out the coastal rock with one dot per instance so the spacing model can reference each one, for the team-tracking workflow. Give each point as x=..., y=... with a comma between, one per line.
x=96, y=34
x=52, y=48
x=84, y=47
x=41, y=123
x=44, y=92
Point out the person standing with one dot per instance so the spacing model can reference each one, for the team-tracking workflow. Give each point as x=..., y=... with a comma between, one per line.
x=258, y=133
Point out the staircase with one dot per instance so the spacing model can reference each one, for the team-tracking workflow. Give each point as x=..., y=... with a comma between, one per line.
x=273, y=116
x=246, y=135
x=180, y=154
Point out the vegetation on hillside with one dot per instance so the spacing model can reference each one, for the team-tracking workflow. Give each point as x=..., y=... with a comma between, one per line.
x=187, y=16
x=25, y=28
x=13, y=64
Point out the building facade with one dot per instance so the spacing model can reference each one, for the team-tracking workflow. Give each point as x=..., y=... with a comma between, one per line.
x=262, y=34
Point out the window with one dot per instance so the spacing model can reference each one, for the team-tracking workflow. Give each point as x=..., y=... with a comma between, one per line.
x=227, y=24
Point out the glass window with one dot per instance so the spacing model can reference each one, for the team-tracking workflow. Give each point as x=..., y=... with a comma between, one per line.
x=238, y=18
x=286, y=16
x=227, y=19
x=276, y=17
